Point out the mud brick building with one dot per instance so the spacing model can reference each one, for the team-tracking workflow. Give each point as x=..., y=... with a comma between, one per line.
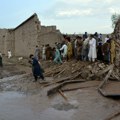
x=116, y=33
x=23, y=39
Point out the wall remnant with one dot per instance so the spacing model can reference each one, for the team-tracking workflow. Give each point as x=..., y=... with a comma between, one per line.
x=23, y=39
x=116, y=34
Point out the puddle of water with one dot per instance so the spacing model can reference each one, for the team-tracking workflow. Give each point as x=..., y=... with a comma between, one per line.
x=12, y=78
x=52, y=114
x=14, y=107
x=60, y=111
x=10, y=95
x=65, y=106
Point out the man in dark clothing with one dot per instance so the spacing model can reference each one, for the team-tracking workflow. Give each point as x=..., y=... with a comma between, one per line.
x=79, y=47
x=85, y=35
x=99, y=52
x=48, y=52
x=106, y=52
x=36, y=68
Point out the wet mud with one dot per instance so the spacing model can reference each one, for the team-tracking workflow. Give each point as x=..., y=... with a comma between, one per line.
x=23, y=99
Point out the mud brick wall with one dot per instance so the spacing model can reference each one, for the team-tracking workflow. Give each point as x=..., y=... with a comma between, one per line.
x=6, y=40
x=2, y=39
x=23, y=39
x=9, y=42
x=26, y=38
x=49, y=38
x=117, y=36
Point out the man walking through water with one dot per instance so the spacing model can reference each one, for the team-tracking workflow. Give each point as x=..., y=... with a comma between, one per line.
x=36, y=68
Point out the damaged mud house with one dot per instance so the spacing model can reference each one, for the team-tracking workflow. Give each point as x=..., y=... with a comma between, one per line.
x=117, y=36
x=26, y=36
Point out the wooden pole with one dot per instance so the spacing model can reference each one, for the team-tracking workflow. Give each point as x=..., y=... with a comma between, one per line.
x=62, y=94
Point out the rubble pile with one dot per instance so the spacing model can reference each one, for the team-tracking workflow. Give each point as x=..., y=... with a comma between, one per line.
x=77, y=72
x=81, y=70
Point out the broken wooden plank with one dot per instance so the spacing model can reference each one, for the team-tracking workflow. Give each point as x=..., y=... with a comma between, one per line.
x=106, y=77
x=102, y=92
x=111, y=116
x=55, y=89
x=105, y=70
x=55, y=72
x=74, y=71
x=54, y=82
x=60, y=73
x=109, y=95
x=69, y=78
x=65, y=79
x=52, y=70
x=115, y=76
x=100, y=73
x=61, y=93
x=76, y=76
x=77, y=88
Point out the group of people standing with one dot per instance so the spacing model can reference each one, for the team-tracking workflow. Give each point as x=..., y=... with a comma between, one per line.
x=84, y=48
x=80, y=49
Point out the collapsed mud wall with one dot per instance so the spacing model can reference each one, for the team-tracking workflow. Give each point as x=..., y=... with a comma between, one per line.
x=116, y=34
x=26, y=36
x=23, y=39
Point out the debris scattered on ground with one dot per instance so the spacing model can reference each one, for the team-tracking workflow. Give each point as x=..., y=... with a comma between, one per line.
x=72, y=72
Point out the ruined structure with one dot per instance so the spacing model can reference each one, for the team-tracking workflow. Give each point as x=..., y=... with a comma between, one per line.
x=23, y=39
x=116, y=33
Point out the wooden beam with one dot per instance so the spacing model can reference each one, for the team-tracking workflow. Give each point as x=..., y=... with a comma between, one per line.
x=111, y=116
x=55, y=89
x=106, y=78
x=105, y=70
x=62, y=94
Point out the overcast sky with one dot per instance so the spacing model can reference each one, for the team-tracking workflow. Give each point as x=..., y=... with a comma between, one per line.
x=70, y=16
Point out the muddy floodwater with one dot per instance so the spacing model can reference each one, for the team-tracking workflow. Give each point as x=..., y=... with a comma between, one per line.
x=23, y=99
x=16, y=106
x=80, y=106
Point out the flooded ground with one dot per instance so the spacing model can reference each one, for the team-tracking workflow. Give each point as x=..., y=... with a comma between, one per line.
x=23, y=99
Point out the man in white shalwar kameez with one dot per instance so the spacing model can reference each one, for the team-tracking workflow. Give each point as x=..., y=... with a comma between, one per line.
x=106, y=39
x=64, y=48
x=9, y=54
x=92, y=55
x=43, y=52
